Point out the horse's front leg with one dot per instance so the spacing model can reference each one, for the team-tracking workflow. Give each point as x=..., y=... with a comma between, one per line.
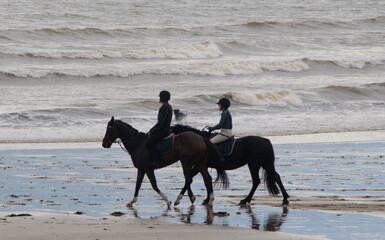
x=139, y=180
x=194, y=172
x=188, y=181
x=254, y=171
x=151, y=177
x=189, y=175
x=191, y=195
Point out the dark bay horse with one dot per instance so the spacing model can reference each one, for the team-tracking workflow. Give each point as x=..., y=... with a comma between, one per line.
x=254, y=151
x=191, y=149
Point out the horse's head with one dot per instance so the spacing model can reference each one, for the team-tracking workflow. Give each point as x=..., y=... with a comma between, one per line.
x=119, y=129
x=111, y=134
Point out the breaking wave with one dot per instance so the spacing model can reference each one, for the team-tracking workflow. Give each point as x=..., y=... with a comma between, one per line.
x=198, y=50
x=374, y=91
x=204, y=69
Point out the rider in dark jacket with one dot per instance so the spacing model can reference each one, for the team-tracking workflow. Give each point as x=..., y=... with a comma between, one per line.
x=161, y=128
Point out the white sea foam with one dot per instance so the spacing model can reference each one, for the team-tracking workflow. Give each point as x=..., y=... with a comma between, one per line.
x=197, y=50
x=208, y=68
x=353, y=59
x=201, y=69
x=281, y=98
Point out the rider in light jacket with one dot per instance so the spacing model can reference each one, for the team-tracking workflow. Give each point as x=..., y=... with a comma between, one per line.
x=225, y=124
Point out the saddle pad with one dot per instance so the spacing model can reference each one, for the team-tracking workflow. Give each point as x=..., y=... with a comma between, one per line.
x=166, y=145
x=226, y=147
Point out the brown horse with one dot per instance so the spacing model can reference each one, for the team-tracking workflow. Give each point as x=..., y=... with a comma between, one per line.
x=192, y=150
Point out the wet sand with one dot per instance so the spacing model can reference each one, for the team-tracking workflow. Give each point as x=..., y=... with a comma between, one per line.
x=371, y=205
x=49, y=227
x=336, y=189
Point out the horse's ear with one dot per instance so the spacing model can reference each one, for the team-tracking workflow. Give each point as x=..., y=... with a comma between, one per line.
x=111, y=121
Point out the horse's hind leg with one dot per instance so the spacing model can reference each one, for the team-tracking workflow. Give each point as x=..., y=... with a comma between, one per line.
x=194, y=172
x=209, y=187
x=254, y=171
x=283, y=190
x=151, y=176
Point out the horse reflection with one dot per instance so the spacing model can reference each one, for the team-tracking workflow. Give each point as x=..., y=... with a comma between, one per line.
x=272, y=223
x=185, y=217
x=136, y=215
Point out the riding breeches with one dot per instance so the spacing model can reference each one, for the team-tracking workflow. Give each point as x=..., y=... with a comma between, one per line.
x=224, y=135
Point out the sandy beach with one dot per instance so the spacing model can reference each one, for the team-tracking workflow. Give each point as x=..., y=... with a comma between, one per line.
x=48, y=227
x=71, y=190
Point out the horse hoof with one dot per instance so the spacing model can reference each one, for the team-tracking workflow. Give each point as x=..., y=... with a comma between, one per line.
x=205, y=202
x=192, y=200
x=176, y=203
x=129, y=205
x=285, y=202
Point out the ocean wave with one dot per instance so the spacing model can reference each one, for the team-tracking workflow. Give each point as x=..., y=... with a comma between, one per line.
x=297, y=24
x=373, y=91
x=206, y=49
x=4, y=37
x=50, y=117
x=349, y=62
x=314, y=22
x=73, y=31
x=370, y=92
x=207, y=67
x=279, y=98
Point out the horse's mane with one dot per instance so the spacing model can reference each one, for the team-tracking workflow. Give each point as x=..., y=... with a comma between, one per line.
x=179, y=128
x=128, y=128
x=184, y=127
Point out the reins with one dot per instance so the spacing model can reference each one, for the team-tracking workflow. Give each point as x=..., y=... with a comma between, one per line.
x=132, y=135
x=121, y=146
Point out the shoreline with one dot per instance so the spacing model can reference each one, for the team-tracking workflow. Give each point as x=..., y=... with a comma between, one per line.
x=312, y=138
x=369, y=205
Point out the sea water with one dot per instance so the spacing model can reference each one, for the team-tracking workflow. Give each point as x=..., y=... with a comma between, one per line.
x=288, y=67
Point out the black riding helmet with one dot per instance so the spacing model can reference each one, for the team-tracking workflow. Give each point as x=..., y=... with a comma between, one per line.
x=164, y=96
x=225, y=102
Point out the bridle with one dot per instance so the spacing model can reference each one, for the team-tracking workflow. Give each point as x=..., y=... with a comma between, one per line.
x=119, y=141
x=121, y=146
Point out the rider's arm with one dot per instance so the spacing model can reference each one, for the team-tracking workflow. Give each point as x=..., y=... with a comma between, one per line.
x=221, y=121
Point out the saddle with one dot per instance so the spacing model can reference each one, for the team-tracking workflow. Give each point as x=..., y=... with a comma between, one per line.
x=166, y=145
x=227, y=147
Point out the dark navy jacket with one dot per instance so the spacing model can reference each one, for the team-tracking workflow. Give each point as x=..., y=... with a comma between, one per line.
x=225, y=122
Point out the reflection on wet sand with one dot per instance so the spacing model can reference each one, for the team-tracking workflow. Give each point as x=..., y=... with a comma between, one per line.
x=272, y=223
x=185, y=217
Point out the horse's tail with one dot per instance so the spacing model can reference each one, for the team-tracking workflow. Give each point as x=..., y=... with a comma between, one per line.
x=270, y=173
x=217, y=158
